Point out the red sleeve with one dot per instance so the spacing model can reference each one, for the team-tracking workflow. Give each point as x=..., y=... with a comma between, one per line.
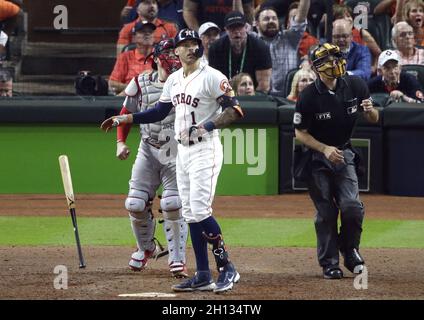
x=123, y=130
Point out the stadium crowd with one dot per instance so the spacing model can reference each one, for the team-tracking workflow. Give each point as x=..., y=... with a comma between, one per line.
x=269, y=41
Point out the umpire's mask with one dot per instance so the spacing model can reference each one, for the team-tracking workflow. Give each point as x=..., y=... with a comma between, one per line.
x=329, y=61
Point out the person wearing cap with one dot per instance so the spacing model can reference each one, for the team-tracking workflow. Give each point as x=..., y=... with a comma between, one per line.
x=326, y=114
x=204, y=103
x=131, y=63
x=400, y=85
x=283, y=44
x=239, y=51
x=146, y=10
x=197, y=12
x=209, y=32
x=151, y=168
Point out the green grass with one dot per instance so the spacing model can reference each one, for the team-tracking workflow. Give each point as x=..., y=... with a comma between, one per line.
x=54, y=231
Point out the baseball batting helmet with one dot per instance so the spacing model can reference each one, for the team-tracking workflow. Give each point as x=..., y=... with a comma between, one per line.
x=327, y=59
x=164, y=51
x=188, y=34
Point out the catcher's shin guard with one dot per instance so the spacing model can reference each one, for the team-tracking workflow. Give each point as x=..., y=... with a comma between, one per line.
x=218, y=249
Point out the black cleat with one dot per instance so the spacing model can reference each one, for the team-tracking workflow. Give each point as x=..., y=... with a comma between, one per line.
x=332, y=273
x=353, y=261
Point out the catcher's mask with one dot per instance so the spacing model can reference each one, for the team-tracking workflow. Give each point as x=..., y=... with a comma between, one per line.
x=164, y=51
x=328, y=60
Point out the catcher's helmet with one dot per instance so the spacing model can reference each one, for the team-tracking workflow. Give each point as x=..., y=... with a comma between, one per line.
x=327, y=59
x=188, y=34
x=162, y=50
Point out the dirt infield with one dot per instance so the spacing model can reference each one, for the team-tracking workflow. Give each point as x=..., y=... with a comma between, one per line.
x=269, y=273
x=266, y=273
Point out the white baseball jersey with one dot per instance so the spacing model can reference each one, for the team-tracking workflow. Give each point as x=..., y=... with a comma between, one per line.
x=198, y=166
x=194, y=97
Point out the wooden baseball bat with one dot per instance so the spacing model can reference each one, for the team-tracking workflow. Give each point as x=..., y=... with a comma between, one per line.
x=70, y=198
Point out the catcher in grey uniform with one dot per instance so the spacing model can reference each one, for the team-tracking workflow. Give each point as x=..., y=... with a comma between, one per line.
x=154, y=165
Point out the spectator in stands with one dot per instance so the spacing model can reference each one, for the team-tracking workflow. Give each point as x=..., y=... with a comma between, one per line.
x=400, y=85
x=307, y=40
x=301, y=80
x=359, y=36
x=209, y=32
x=386, y=7
x=147, y=11
x=239, y=51
x=412, y=11
x=169, y=10
x=404, y=41
x=358, y=57
x=6, y=84
x=9, y=12
x=283, y=44
x=131, y=63
x=242, y=85
x=197, y=12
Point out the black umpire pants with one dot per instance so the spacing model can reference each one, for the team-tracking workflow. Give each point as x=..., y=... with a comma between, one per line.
x=334, y=188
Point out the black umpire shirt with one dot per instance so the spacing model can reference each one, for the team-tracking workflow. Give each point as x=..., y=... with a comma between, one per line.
x=257, y=57
x=330, y=116
x=408, y=85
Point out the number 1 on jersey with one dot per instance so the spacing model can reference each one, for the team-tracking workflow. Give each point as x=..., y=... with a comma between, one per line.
x=192, y=118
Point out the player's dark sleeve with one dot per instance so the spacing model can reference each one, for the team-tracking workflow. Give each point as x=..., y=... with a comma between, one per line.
x=158, y=113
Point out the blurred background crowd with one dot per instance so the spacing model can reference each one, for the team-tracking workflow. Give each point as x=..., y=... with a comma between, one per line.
x=262, y=46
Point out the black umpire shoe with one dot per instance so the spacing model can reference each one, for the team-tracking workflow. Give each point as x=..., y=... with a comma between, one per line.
x=353, y=261
x=332, y=273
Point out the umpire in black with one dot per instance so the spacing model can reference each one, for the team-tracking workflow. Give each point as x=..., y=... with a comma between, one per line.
x=325, y=116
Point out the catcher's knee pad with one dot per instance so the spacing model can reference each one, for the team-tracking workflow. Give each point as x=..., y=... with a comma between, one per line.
x=171, y=205
x=137, y=201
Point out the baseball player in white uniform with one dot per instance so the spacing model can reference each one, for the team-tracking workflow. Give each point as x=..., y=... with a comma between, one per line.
x=204, y=102
x=153, y=166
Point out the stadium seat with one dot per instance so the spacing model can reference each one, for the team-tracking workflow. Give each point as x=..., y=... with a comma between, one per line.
x=417, y=70
x=289, y=79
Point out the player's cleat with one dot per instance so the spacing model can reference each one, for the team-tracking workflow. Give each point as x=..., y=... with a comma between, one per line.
x=332, y=273
x=178, y=269
x=228, y=275
x=353, y=261
x=202, y=281
x=139, y=259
